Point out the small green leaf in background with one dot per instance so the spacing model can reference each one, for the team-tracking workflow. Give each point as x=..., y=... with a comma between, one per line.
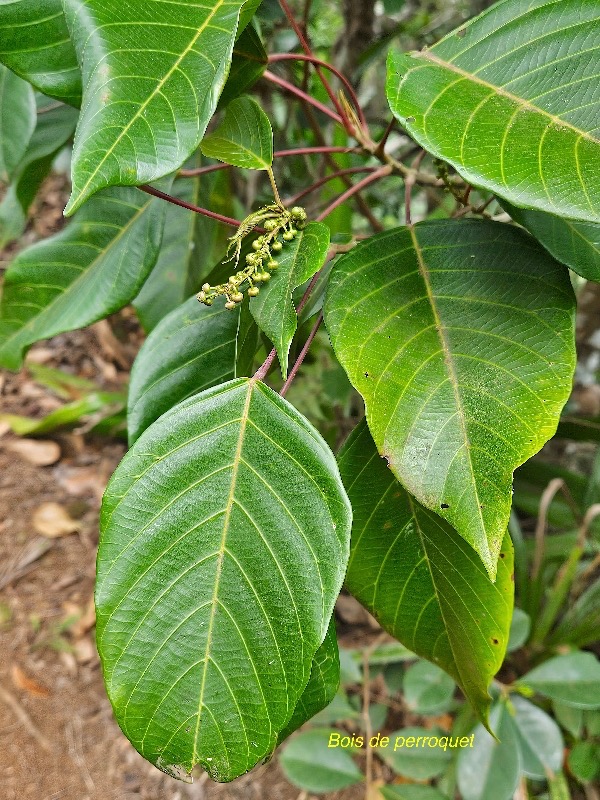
x=539, y=738
x=464, y=355
x=35, y=43
x=428, y=689
x=87, y=271
x=491, y=768
x=17, y=121
x=193, y=348
x=584, y=761
x=224, y=540
x=576, y=244
x=573, y=679
x=151, y=82
x=247, y=66
x=420, y=579
x=273, y=309
x=580, y=624
x=506, y=99
x=417, y=762
x=408, y=792
x=559, y=787
x=570, y=718
x=520, y=627
x=349, y=667
x=311, y=765
x=244, y=138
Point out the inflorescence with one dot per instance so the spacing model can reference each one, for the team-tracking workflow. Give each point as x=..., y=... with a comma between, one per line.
x=281, y=226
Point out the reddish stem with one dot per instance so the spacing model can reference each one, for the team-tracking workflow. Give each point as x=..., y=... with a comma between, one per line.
x=318, y=62
x=374, y=176
x=289, y=87
x=302, y=355
x=300, y=151
x=339, y=174
x=177, y=202
x=261, y=372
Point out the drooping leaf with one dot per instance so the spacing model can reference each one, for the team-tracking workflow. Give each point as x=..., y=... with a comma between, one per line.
x=191, y=245
x=225, y=534
x=464, y=355
x=87, y=271
x=273, y=309
x=418, y=761
x=309, y=763
x=247, y=66
x=17, y=121
x=151, y=81
x=573, y=679
x=35, y=43
x=491, y=768
x=427, y=689
x=420, y=579
x=244, y=138
x=193, y=348
x=322, y=685
x=576, y=244
x=55, y=126
x=539, y=738
x=511, y=101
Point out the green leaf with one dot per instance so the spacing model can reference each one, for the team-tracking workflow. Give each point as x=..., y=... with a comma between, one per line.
x=520, y=628
x=322, y=685
x=224, y=540
x=576, y=244
x=573, y=679
x=193, y=348
x=539, y=738
x=420, y=579
x=35, y=43
x=273, y=309
x=558, y=787
x=584, y=761
x=464, y=356
x=17, y=121
x=427, y=688
x=510, y=101
x=244, y=138
x=249, y=62
x=310, y=764
x=416, y=760
x=97, y=403
x=151, y=84
x=87, y=271
x=491, y=768
x=408, y=792
x=580, y=624
x=571, y=719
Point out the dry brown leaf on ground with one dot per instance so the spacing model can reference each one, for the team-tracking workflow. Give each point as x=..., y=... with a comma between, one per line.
x=38, y=452
x=27, y=684
x=52, y=520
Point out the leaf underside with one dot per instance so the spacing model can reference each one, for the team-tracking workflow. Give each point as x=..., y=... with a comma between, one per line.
x=459, y=336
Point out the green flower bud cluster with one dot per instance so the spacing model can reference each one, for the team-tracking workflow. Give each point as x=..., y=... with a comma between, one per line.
x=281, y=226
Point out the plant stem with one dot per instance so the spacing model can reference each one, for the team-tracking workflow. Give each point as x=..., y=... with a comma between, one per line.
x=382, y=172
x=298, y=151
x=302, y=356
x=197, y=209
x=289, y=87
x=261, y=372
x=340, y=173
x=274, y=187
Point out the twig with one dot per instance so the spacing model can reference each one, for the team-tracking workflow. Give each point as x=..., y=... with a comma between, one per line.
x=298, y=151
x=317, y=185
x=289, y=87
x=302, y=356
x=177, y=202
x=382, y=172
x=261, y=372
x=25, y=719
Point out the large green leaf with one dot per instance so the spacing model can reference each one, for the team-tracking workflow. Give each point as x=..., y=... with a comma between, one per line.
x=322, y=685
x=248, y=64
x=459, y=336
x=420, y=579
x=576, y=244
x=273, y=309
x=87, y=271
x=35, y=43
x=244, y=138
x=151, y=79
x=225, y=535
x=17, y=120
x=511, y=100
x=191, y=349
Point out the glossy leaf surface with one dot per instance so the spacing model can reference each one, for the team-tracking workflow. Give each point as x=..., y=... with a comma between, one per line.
x=225, y=534
x=464, y=355
x=17, y=120
x=511, y=100
x=244, y=138
x=87, y=271
x=420, y=579
x=193, y=348
x=35, y=43
x=151, y=83
x=273, y=309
